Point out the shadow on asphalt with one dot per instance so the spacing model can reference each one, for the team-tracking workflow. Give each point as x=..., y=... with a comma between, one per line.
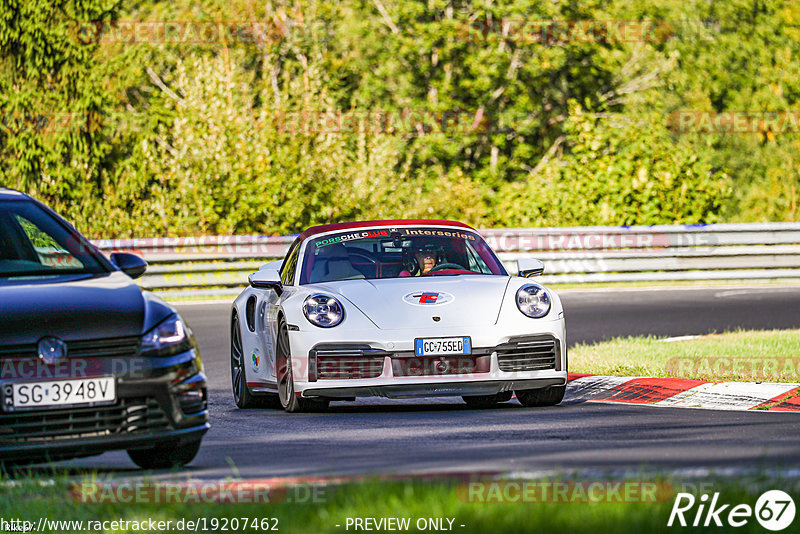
x=57, y=471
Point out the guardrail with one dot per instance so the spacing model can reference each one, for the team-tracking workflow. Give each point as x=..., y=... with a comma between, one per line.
x=219, y=265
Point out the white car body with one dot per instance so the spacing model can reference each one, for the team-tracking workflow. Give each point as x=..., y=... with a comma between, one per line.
x=385, y=317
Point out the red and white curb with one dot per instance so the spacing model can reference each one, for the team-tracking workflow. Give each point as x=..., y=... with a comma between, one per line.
x=683, y=393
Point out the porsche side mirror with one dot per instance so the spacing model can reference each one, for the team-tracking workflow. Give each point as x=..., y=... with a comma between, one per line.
x=266, y=279
x=527, y=267
x=130, y=264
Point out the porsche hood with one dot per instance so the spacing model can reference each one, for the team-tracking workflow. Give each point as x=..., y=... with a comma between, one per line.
x=416, y=302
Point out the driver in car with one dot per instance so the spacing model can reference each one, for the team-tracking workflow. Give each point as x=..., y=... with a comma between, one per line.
x=427, y=259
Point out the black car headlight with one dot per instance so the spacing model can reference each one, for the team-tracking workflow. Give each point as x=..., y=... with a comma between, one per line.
x=323, y=310
x=533, y=300
x=168, y=337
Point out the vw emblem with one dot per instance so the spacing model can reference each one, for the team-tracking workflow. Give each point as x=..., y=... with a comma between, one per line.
x=52, y=350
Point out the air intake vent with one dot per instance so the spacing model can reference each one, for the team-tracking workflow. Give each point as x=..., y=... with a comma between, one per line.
x=127, y=416
x=528, y=354
x=343, y=361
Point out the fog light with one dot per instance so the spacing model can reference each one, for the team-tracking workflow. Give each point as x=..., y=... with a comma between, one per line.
x=192, y=401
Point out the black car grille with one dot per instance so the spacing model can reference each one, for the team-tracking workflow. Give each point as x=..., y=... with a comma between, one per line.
x=18, y=351
x=119, y=347
x=127, y=416
x=116, y=347
x=537, y=353
x=330, y=362
x=333, y=367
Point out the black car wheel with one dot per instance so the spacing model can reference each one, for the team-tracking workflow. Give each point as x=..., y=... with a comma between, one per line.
x=541, y=397
x=241, y=392
x=486, y=401
x=165, y=456
x=291, y=402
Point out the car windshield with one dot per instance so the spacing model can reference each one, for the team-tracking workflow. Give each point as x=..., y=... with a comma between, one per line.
x=34, y=244
x=397, y=253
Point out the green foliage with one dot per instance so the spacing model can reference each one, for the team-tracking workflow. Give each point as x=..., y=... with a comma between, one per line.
x=621, y=170
x=188, y=138
x=225, y=166
x=50, y=90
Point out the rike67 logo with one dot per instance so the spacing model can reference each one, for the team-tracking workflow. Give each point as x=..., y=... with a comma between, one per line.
x=774, y=510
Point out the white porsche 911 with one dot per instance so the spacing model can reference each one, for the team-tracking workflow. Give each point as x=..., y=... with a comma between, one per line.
x=406, y=308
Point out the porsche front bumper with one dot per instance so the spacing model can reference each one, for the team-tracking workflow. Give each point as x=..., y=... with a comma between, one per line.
x=530, y=356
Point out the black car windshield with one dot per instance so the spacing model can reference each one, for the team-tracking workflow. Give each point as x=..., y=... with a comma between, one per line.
x=397, y=253
x=34, y=244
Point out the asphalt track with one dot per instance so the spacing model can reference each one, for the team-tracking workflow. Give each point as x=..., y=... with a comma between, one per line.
x=442, y=435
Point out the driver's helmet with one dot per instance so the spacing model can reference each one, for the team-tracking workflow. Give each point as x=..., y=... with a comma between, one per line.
x=428, y=249
x=421, y=250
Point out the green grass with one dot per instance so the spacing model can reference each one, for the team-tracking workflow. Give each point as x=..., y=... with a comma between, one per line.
x=761, y=356
x=30, y=499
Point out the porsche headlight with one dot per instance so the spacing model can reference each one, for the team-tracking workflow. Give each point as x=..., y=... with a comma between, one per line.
x=533, y=300
x=170, y=336
x=323, y=310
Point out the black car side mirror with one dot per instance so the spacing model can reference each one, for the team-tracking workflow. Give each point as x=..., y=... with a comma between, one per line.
x=130, y=264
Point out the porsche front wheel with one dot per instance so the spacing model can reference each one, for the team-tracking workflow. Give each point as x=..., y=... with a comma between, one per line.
x=242, y=395
x=290, y=401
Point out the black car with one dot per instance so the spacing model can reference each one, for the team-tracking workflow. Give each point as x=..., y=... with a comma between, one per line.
x=88, y=361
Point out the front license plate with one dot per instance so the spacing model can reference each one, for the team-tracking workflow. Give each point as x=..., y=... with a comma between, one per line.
x=62, y=393
x=434, y=346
